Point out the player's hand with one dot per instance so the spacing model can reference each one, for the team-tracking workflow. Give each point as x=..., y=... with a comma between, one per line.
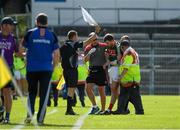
x=113, y=62
x=106, y=54
x=92, y=51
x=97, y=29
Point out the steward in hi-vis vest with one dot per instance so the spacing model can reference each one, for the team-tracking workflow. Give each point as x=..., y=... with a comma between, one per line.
x=130, y=61
x=129, y=80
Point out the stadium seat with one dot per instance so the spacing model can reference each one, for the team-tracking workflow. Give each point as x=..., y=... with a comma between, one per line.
x=165, y=36
x=133, y=36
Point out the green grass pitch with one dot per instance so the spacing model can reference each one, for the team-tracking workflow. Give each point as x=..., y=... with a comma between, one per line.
x=161, y=112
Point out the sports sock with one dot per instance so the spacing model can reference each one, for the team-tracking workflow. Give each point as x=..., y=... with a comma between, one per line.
x=69, y=103
x=7, y=115
x=110, y=106
x=94, y=106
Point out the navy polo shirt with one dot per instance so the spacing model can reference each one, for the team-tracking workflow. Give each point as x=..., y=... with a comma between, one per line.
x=40, y=49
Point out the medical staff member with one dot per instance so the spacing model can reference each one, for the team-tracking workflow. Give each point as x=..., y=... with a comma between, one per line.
x=129, y=79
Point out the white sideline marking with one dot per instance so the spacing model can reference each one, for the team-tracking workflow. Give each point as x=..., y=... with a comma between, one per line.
x=18, y=127
x=79, y=122
x=52, y=112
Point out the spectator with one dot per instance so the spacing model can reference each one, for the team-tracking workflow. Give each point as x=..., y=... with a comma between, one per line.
x=42, y=50
x=7, y=47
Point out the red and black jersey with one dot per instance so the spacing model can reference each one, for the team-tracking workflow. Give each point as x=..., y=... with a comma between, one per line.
x=98, y=57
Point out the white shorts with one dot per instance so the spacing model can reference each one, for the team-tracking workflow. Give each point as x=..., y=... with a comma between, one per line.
x=113, y=74
x=18, y=75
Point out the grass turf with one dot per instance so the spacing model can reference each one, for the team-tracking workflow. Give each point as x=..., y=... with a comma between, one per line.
x=161, y=112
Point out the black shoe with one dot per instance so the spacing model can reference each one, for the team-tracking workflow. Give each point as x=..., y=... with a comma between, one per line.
x=107, y=112
x=28, y=120
x=6, y=121
x=1, y=113
x=94, y=111
x=83, y=104
x=74, y=104
x=127, y=111
x=100, y=113
x=117, y=112
x=71, y=112
x=40, y=123
x=15, y=97
x=140, y=113
x=49, y=103
x=55, y=103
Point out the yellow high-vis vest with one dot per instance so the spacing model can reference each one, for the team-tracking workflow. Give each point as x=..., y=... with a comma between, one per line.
x=19, y=63
x=82, y=72
x=57, y=73
x=130, y=61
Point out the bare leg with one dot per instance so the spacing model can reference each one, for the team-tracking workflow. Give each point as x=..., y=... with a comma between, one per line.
x=71, y=91
x=103, y=97
x=24, y=86
x=7, y=100
x=114, y=94
x=90, y=93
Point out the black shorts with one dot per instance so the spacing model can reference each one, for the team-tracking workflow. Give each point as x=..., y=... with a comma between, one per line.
x=71, y=77
x=97, y=75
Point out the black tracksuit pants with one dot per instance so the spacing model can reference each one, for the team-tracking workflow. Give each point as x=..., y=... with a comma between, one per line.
x=131, y=94
x=34, y=78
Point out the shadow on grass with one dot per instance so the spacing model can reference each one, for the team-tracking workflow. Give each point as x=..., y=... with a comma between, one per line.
x=56, y=125
x=44, y=125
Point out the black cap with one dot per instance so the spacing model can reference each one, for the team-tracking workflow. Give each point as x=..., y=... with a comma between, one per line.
x=8, y=20
x=42, y=18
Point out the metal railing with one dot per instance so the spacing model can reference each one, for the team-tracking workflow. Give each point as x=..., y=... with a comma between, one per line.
x=160, y=66
x=118, y=10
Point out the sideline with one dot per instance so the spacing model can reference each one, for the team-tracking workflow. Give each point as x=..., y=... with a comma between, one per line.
x=80, y=121
x=22, y=125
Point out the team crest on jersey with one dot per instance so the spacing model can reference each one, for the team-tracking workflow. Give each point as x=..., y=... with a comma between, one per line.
x=5, y=45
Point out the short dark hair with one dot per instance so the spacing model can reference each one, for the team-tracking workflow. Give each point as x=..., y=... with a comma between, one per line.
x=125, y=43
x=125, y=37
x=42, y=18
x=71, y=34
x=108, y=37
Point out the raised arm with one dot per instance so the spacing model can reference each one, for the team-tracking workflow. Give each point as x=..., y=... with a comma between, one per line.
x=93, y=37
x=88, y=54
